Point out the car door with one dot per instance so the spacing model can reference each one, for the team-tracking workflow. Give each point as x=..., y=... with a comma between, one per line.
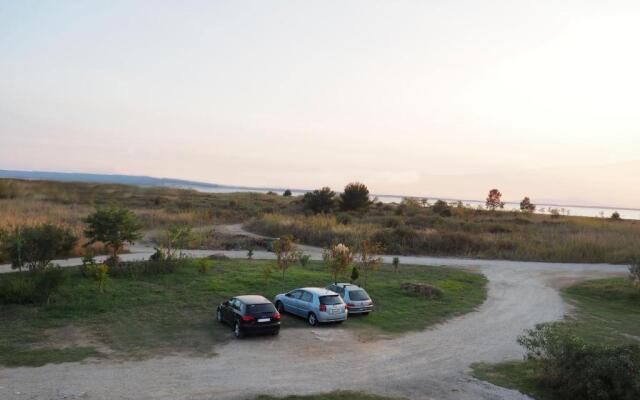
x=306, y=303
x=291, y=301
x=230, y=311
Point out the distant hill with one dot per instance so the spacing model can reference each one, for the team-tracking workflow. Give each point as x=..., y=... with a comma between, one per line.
x=105, y=178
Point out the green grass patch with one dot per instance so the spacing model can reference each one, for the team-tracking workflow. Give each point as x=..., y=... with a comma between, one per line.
x=171, y=313
x=607, y=311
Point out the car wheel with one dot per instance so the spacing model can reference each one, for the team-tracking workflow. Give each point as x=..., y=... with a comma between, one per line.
x=237, y=331
x=365, y=314
x=280, y=307
x=276, y=332
x=312, y=319
x=219, y=316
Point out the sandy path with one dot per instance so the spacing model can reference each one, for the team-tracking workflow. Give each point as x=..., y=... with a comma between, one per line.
x=427, y=365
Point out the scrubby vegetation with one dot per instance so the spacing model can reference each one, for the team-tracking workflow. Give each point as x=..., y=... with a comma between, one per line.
x=595, y=354
x=330, y=396
x=158, y=308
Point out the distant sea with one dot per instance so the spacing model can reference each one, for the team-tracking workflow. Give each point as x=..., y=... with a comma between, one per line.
x=583, y=211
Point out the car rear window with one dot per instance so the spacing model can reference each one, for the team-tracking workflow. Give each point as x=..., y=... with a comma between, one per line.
x=358, y=295
x=330, y=300
x=260, y=308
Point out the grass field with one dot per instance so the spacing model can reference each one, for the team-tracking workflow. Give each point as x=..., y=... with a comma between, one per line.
x=606, y=311
x=407, y=228
x=174, y=313
x=329, y=396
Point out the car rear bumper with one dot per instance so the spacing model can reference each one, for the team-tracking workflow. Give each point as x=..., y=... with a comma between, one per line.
x=325, y=317
x=360, y=310
x=262, y=328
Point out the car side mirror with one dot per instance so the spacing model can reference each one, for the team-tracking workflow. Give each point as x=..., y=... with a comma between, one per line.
x=288, y=294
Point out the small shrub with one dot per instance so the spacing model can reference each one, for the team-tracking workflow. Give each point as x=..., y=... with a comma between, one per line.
x=250, y=254
x=100, y=274
x=203, y=266
x=442, y=208
x=48, y=281
x=319, y=201
x=344, y=218
x=615, y=216
x=422, y=289
x=304, y=259
x=218, y=256
x=354, y=274
x=158, y=255
x=17, y=290
x=396, y=263
x=139, y=269
x=287, y=193
x=578, y=370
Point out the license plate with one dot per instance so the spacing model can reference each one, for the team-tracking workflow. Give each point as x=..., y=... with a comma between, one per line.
x=335, y=311
x=264, y=319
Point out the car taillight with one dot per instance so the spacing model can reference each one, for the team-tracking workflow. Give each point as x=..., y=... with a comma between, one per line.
x=323, y=307
x=349, y=305
x=247, y=318
x=276, y=315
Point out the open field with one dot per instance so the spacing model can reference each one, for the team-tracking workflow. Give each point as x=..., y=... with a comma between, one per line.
x=408, y=228
x=174, y=313
x=606, y=311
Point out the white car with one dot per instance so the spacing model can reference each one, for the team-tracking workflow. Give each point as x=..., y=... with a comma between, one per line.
x=357, y=299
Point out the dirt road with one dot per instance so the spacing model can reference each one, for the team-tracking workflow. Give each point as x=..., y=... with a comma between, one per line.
x=427, y=365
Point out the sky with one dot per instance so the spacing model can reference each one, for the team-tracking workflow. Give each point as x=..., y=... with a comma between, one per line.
x=429, y=98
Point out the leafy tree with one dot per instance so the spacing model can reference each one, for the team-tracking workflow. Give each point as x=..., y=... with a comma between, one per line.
x=441, y=207
x=113, y=226
x=320, y=201
x=35, y=246
x=368, y=257
x=355, y=197
x=337, y=258
x=615, y=215
x=176, y=237
x=527, y=206
x=354, y=274
x=494, y=200
x=287, y=254
x=287, y=193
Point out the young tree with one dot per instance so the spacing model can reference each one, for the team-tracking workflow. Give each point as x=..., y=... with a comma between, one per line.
x=368, y=257
x=286, y=255
x=319, y=201
x=337, y=258
x=494, y=200
x=35, y=246
x=527, y=206
x=113, y=226
x=176, y=237
x=355, y=197
x=615, y=216
x=634, y=272
x=396, y=263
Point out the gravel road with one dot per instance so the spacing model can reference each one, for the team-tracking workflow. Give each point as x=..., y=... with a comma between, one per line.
x=432, y=364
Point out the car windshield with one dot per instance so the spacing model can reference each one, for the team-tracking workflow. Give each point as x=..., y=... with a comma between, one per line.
x=358, y=295
x=260, y=308
x=330, y=300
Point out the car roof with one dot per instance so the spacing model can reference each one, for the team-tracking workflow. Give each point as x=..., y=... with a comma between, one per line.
x=318, y=291
x=253, y=299
x=344, y=285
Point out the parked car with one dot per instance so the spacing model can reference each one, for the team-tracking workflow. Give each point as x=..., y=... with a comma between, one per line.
x=357, y=299
x=315, y=304
x=249, y=314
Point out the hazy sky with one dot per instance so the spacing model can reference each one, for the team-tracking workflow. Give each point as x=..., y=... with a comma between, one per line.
x=442, y=98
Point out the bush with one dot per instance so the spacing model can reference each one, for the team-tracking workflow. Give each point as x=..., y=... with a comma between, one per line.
x=287, y=193
x=442, y=208
x=319, y=201
x=48, y=281
x=422, y=289
x=304, y=259
x=100, y=274
x=355, y=197
x=17, y=290
x=35, y=246
x=578, y=370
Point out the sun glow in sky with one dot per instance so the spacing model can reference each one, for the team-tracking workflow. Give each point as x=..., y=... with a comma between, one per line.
x=433, y=98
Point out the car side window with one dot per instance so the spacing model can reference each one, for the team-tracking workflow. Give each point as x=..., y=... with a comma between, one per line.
x=296, y=294
x=306, y=297
x=235, y=304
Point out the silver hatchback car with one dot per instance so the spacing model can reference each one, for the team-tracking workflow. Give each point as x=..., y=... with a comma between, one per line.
x=314, y=304
x=357, y=299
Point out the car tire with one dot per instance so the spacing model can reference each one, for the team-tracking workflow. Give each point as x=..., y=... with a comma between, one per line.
x=276, y=332
x=237, y=331
x=219, y=316
x=364, y=314
x=280, y=307
x=312, y=319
